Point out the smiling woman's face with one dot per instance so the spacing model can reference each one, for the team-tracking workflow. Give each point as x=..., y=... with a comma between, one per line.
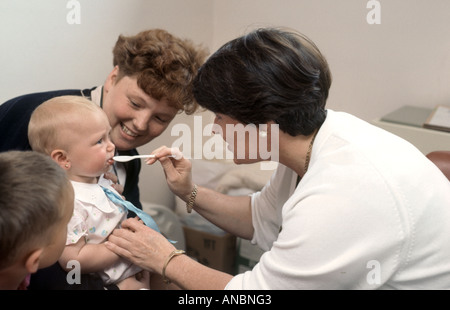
x=135, y=117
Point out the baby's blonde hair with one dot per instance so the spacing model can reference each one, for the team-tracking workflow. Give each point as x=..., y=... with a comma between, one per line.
x=53, y=116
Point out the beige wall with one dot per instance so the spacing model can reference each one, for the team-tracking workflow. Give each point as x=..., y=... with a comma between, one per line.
x=376, y=68
x=40, y=50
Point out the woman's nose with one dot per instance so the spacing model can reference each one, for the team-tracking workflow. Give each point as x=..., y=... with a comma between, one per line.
x=141, y=121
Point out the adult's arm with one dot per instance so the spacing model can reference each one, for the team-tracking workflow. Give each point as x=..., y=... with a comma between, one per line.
x=150, y=250
x=231, y=213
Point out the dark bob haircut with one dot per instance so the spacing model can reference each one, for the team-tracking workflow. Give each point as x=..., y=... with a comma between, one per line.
x=267, y=75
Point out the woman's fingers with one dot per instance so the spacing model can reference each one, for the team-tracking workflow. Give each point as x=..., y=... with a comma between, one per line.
x=165, y=152
x=119, y=240
x=118, y=245
x=132, y=224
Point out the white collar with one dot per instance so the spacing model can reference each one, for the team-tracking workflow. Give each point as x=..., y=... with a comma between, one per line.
x=93, y=194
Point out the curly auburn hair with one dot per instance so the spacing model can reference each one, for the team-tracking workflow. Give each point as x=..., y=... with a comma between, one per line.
x=164, y=65
x=267, y=75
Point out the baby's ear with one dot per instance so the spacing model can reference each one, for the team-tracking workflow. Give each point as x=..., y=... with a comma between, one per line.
x=33, y=259
x=61, y=158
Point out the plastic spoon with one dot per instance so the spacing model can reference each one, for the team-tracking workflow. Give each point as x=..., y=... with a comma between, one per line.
x=125, y=158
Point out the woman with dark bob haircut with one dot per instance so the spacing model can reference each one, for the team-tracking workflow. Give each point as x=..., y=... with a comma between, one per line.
x=285, y=78
x=350, y=206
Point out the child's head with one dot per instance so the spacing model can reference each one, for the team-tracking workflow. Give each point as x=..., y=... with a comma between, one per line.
x=36, y=203
x=75, y=133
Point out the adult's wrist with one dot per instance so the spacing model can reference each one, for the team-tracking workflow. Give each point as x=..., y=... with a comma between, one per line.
x=169, y=258
x=191, y=200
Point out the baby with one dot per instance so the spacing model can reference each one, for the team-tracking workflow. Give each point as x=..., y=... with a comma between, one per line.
x=74, y=132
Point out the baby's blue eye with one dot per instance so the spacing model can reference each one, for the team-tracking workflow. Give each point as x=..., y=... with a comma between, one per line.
x=100, y=141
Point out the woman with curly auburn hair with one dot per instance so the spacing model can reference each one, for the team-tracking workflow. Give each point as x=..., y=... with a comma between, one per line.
x=163, y=65
x=151, y=82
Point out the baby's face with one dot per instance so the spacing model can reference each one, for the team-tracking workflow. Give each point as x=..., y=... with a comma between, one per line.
x=91, y=150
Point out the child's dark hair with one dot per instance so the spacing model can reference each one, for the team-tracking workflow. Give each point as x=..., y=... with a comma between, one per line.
x=32, y=188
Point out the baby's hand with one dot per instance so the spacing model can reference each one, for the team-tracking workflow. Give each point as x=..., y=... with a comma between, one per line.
x=114, y=179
